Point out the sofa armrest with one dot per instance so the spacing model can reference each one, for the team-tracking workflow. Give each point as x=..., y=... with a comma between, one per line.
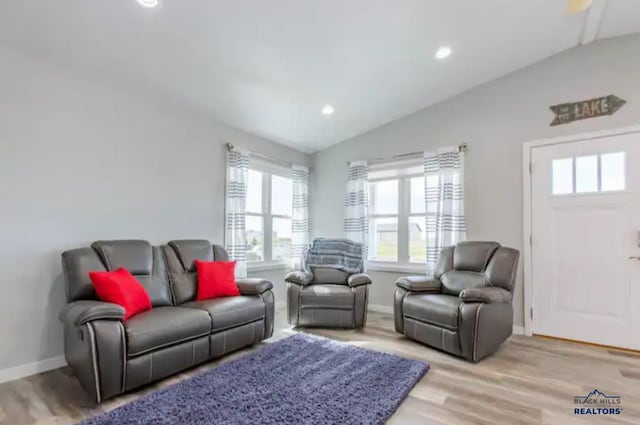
x=358, y=279
x=299, y=277
x=486, y=294
x=81, y=312
x=253, y=286
x=419, y=284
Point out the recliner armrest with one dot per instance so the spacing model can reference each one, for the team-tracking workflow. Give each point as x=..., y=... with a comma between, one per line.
x=419, y=284
x=81, y=312
x=486, y=294
x=299, y=277
x=253, y=286
x=358, y=279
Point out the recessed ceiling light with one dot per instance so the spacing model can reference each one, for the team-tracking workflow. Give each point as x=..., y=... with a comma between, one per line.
x=327, y=110
x=443, y=52
x=148, y=3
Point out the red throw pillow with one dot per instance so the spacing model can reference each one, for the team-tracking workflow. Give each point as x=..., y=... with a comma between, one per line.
x=122, y=288
x=216, y=279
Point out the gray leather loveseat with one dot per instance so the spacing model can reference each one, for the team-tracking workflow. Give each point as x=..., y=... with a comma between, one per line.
x=465, y=308
x=110, y=356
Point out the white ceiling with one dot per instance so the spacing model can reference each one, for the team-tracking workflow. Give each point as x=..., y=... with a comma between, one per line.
x=267, y=67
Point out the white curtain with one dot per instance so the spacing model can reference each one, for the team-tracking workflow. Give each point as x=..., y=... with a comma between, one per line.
x=444, y=197
x=356, y=203
x=235, y=209
x=299, y=214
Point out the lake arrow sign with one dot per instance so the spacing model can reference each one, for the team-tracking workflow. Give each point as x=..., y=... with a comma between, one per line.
x=574, y=111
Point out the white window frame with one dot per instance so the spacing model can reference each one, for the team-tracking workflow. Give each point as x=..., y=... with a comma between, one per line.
x=268, y=170
x=404, y=171
x=574, y=178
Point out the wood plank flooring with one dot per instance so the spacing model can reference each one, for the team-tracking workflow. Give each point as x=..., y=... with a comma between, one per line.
x=529, y=381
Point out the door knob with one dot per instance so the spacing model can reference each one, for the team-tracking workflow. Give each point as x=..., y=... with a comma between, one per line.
x=634, y=258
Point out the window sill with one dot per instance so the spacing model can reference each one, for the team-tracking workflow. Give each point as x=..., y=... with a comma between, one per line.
x=381, y=266
x=264, y=266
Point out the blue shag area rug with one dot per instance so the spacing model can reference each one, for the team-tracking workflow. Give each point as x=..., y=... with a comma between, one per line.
x=302, y=379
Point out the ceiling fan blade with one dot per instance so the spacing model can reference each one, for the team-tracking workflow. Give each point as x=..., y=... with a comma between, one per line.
x=578, y=6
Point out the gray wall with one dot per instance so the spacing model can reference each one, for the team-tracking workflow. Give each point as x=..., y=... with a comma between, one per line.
x=495, y=119
x=81, y=160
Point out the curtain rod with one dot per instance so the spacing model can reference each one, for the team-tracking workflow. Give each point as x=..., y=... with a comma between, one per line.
x=287, y=164
x=461, y=148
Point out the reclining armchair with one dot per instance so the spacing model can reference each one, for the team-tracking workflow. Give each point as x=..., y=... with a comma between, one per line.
x=465, y=308
x=326, y=295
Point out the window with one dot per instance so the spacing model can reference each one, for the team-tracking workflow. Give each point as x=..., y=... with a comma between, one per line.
x=588, y=174
x=268, y=219
x=397, y=215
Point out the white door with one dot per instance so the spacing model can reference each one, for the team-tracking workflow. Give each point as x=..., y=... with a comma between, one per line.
x=585, y=218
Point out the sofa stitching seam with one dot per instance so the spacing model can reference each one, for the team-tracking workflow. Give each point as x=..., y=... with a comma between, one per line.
x=107, y=258
x=366, y=306
x=353, y=307
x=475, y=332
x=429, y=322
x=168, y=344
x=266, y=313
x=235, y=325
x=150, y=367
x=124, y=356
x=94, y=361
x=169, y=276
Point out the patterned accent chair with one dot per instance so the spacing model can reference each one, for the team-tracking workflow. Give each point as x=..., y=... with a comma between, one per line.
x=465, y=308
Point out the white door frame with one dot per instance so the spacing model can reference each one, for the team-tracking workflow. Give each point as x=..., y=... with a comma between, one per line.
x=527, y=194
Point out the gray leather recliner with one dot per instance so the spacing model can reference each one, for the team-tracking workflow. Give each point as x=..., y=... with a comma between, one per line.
x=465, y=308
x=328, y=298
x=110, y=356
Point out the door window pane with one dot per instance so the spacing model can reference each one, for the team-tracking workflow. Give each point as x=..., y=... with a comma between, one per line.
x=562, y=176
x=281, y=195
x=417, y=242
x=385, y=194
x=254, y=192
x=281, y=241
x=612, y=171
x=417, y=195
x=587, y=174
x=255, y=238
x=385, y=235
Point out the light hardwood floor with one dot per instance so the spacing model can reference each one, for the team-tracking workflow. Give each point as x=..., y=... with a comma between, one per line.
x=529, y=381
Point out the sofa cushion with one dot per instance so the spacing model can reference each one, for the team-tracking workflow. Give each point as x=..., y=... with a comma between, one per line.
x=180, y=256
x=145, y=262
x=229, y=312
x=76, y=265
x=326, y=296
x=134, y=255
x=164, y=326
x=436, y=309
x=329, y=275
x=120, y=287
x=454, y=281
x=473, y=256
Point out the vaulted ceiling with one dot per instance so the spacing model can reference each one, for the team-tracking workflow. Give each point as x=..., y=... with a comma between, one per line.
x=268, y=67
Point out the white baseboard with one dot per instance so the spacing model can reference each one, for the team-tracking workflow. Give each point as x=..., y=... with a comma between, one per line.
x=28, y=369
x=518, y=330
x=379, y=308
